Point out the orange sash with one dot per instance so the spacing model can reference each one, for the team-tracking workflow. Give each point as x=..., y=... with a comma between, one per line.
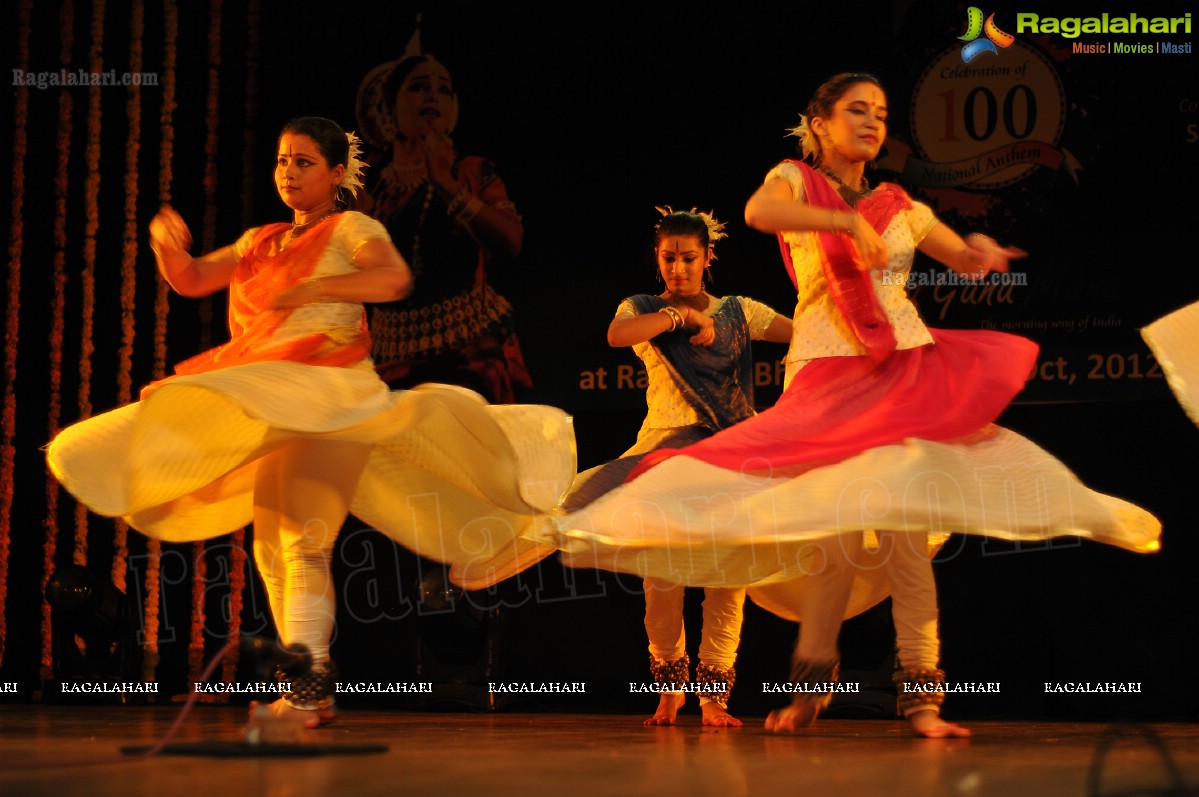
x=258, y=278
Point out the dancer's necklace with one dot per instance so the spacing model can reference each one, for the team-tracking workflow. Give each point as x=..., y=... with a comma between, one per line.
x=696, y=301
x=850, y=195
x=299, y=229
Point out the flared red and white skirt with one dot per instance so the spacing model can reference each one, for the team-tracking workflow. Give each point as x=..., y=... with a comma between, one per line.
x=853, y=447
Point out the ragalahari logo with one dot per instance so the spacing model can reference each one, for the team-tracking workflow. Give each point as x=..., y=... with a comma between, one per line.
x=975, y=27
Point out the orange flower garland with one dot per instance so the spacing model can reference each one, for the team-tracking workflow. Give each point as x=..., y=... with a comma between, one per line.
x=91, y=206
x=196, y=644
x=211, y=141
x=57, y=324
x=166, y=153
x=170, y=33
x=237, y=559
x=237, y=586
x=133, y=112
x=249, y=166
x=153, y=587
x=15, y=250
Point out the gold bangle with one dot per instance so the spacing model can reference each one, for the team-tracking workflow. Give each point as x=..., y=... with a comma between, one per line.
x=673, y=316
x=849, y=220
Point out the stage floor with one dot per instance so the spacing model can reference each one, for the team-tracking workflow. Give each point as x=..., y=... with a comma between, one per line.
x=58, y=750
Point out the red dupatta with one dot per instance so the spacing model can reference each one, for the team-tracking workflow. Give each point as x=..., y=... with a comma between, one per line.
x=850, y=285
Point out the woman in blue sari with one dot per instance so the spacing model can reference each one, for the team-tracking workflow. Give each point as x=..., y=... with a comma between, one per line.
x=696, y=350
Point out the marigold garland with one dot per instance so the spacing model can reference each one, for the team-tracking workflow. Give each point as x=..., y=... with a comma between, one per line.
x=153, y=590
x=211, y=142
x=237, y=586
x=91, y=206
x=208, y=238
x=166, y=154
x=249, y=166
x=15, y=251
x=212, y=123
x=130, y=238
x=133, y=113
x=195, y=647
x=237, y=560
x=170, y=24
x=57, y=325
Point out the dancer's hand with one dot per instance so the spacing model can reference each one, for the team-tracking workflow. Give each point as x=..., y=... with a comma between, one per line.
x=872, y=250
x=984, y=255
x=704, y=326
x=169, y=233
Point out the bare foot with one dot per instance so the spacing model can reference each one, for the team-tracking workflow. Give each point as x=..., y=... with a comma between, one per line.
x=930, y=725
x=282, y=711
x=716, y=716
x=795, y=717
x=668, y=708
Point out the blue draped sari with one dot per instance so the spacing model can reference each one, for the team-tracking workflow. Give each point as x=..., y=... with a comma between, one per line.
x=716, y=381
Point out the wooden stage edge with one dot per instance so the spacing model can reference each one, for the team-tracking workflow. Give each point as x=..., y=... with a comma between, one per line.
x=69, y=750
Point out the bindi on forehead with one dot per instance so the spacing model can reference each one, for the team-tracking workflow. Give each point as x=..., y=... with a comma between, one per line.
x=866, y=96
x=876, y=109
x=681, y=243
x=296, y=145
x=298, y=150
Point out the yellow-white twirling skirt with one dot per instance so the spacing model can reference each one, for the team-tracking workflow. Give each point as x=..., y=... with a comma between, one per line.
x=686, y=521
x=1174, y=340
x=449, y=476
